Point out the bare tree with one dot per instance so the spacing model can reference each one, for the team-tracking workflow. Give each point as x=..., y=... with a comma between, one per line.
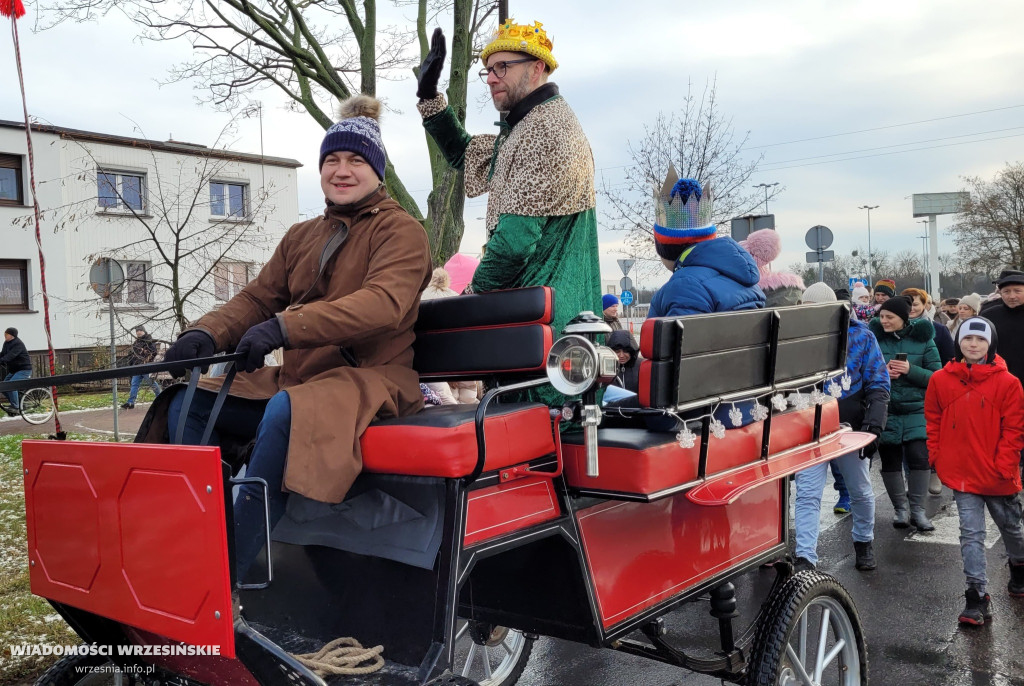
x=702, y=144
x=188, y=239
x=314, y=51
x=989, y=229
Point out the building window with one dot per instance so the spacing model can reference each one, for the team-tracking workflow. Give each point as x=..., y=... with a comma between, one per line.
x=10, y=180
x=229, y=199
x=13, y=285
x=138, y=284
x=229, y=278
x=120, y=191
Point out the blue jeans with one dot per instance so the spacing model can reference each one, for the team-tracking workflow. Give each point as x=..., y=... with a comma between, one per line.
x=271, y=422
x=1006, y=513
x=838, y=482
x=12, y=396
x=137, y=381
x=810, y=483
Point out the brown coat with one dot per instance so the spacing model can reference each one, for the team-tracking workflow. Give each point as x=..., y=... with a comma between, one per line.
x=366, y=300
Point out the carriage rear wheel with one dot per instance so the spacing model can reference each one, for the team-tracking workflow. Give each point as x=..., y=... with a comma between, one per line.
x=490, y=655
x=810, y=635
x=36, y=405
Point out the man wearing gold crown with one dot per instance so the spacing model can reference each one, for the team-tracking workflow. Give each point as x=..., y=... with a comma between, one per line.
x=538, y=171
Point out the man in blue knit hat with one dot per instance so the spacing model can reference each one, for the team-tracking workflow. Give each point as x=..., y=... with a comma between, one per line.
x=610, y=305
x=340, y=295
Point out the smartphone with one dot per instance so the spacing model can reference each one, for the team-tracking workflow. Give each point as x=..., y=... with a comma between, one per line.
x=901, y=357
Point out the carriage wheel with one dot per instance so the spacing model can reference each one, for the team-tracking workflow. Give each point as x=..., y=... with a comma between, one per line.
x=490, y=655
x=810, y=635
x=83, y=670
x=36, y=405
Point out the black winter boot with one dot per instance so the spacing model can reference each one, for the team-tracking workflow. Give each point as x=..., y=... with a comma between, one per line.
x=1016, y=585
x=977, y=609
x=802, y=564
x=865, y=556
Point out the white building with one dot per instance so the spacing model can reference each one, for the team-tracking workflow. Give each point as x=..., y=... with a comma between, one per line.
x=139, y=201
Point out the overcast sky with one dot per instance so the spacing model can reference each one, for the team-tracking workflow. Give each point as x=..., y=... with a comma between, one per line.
x=786, y=71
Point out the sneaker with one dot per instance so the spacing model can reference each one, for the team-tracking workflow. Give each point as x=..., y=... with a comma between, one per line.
x=842, y=505
x=865, y=556
x=1016, y=585
x=127, y=406
x=11, y=412
x=802, y=564
x=977, y=609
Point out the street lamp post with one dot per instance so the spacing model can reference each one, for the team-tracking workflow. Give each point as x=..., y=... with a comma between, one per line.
x=924, y=268
x=766, y=186
x=871, y=279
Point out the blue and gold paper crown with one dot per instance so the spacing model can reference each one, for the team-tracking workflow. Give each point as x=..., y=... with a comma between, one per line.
x=683, y=215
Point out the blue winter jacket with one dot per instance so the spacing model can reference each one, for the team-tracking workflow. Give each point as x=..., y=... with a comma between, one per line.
x=715, y=276
x=865, y=403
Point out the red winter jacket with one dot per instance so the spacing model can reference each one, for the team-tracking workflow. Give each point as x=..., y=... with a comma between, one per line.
x=975, y=418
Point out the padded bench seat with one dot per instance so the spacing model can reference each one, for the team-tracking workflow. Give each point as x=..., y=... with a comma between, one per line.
x=441, y=440
x=640, y=465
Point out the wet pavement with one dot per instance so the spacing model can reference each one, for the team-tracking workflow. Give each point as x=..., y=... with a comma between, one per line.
x=99, y=422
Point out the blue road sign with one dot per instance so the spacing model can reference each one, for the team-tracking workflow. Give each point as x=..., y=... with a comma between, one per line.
x=626, y=297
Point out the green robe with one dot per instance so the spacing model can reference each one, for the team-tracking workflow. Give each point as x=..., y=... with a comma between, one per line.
x=541, y=223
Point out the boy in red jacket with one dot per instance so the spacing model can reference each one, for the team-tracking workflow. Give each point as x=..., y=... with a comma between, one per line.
x=975, y=413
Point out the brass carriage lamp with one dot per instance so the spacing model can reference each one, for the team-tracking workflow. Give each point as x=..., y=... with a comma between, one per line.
x=577, y=365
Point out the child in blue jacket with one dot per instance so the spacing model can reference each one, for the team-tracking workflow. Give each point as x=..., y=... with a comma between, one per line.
x=709, y=273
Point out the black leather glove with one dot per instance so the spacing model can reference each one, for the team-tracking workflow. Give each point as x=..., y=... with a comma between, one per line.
x=257, y=342
x=430, y=70
x=191, y=345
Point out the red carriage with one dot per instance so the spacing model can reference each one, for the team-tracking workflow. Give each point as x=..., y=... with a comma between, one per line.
x=474, y=530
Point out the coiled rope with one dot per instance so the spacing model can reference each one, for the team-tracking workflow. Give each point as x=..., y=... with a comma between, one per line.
x=343, y=656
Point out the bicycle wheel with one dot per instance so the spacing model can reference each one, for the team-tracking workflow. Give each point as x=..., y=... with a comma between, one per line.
x=36, y=405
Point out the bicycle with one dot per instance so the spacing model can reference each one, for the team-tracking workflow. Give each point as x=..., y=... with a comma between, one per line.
x=34, y=405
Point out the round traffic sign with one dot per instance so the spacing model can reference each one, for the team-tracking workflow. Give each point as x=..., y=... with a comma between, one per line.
x=626, y=298
x=106, y=276
x=818, y=237
x=625, y=284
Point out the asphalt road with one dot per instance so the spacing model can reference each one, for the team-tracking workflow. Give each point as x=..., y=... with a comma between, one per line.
x=909, y=608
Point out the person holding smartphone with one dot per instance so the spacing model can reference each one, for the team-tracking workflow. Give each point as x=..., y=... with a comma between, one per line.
x=911, y=356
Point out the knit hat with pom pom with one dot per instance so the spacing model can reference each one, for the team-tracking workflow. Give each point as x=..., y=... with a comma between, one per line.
x=358, y=132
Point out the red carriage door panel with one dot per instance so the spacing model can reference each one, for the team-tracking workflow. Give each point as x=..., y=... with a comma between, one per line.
x=132, y=532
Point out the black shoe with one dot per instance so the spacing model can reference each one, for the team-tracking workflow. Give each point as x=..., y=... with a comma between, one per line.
x=1016, y=585
x=127, y=406
x=11, y=412
x=977, y=609
x=802, y=564
x=865, y=556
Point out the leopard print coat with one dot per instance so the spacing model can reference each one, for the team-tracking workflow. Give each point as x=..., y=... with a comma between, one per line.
x=542, y=167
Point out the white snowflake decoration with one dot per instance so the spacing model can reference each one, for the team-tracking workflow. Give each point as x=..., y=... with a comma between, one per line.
x=717, y=429
x=686, y=438
x=759, y=412
x=818, y=398
x=846, y=381
x=779, y=402
x=736, y=416
x=834, y=389
x=799, y=400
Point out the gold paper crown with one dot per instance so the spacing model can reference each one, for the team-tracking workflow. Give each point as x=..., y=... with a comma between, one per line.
x=512, y=37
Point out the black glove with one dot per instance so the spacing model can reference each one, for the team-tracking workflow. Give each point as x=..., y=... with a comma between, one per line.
x=191, y=345
x=257, y=342
x=430, y=70
x=872, y=447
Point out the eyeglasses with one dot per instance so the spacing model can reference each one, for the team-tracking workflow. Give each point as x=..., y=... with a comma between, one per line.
x=500, y=68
